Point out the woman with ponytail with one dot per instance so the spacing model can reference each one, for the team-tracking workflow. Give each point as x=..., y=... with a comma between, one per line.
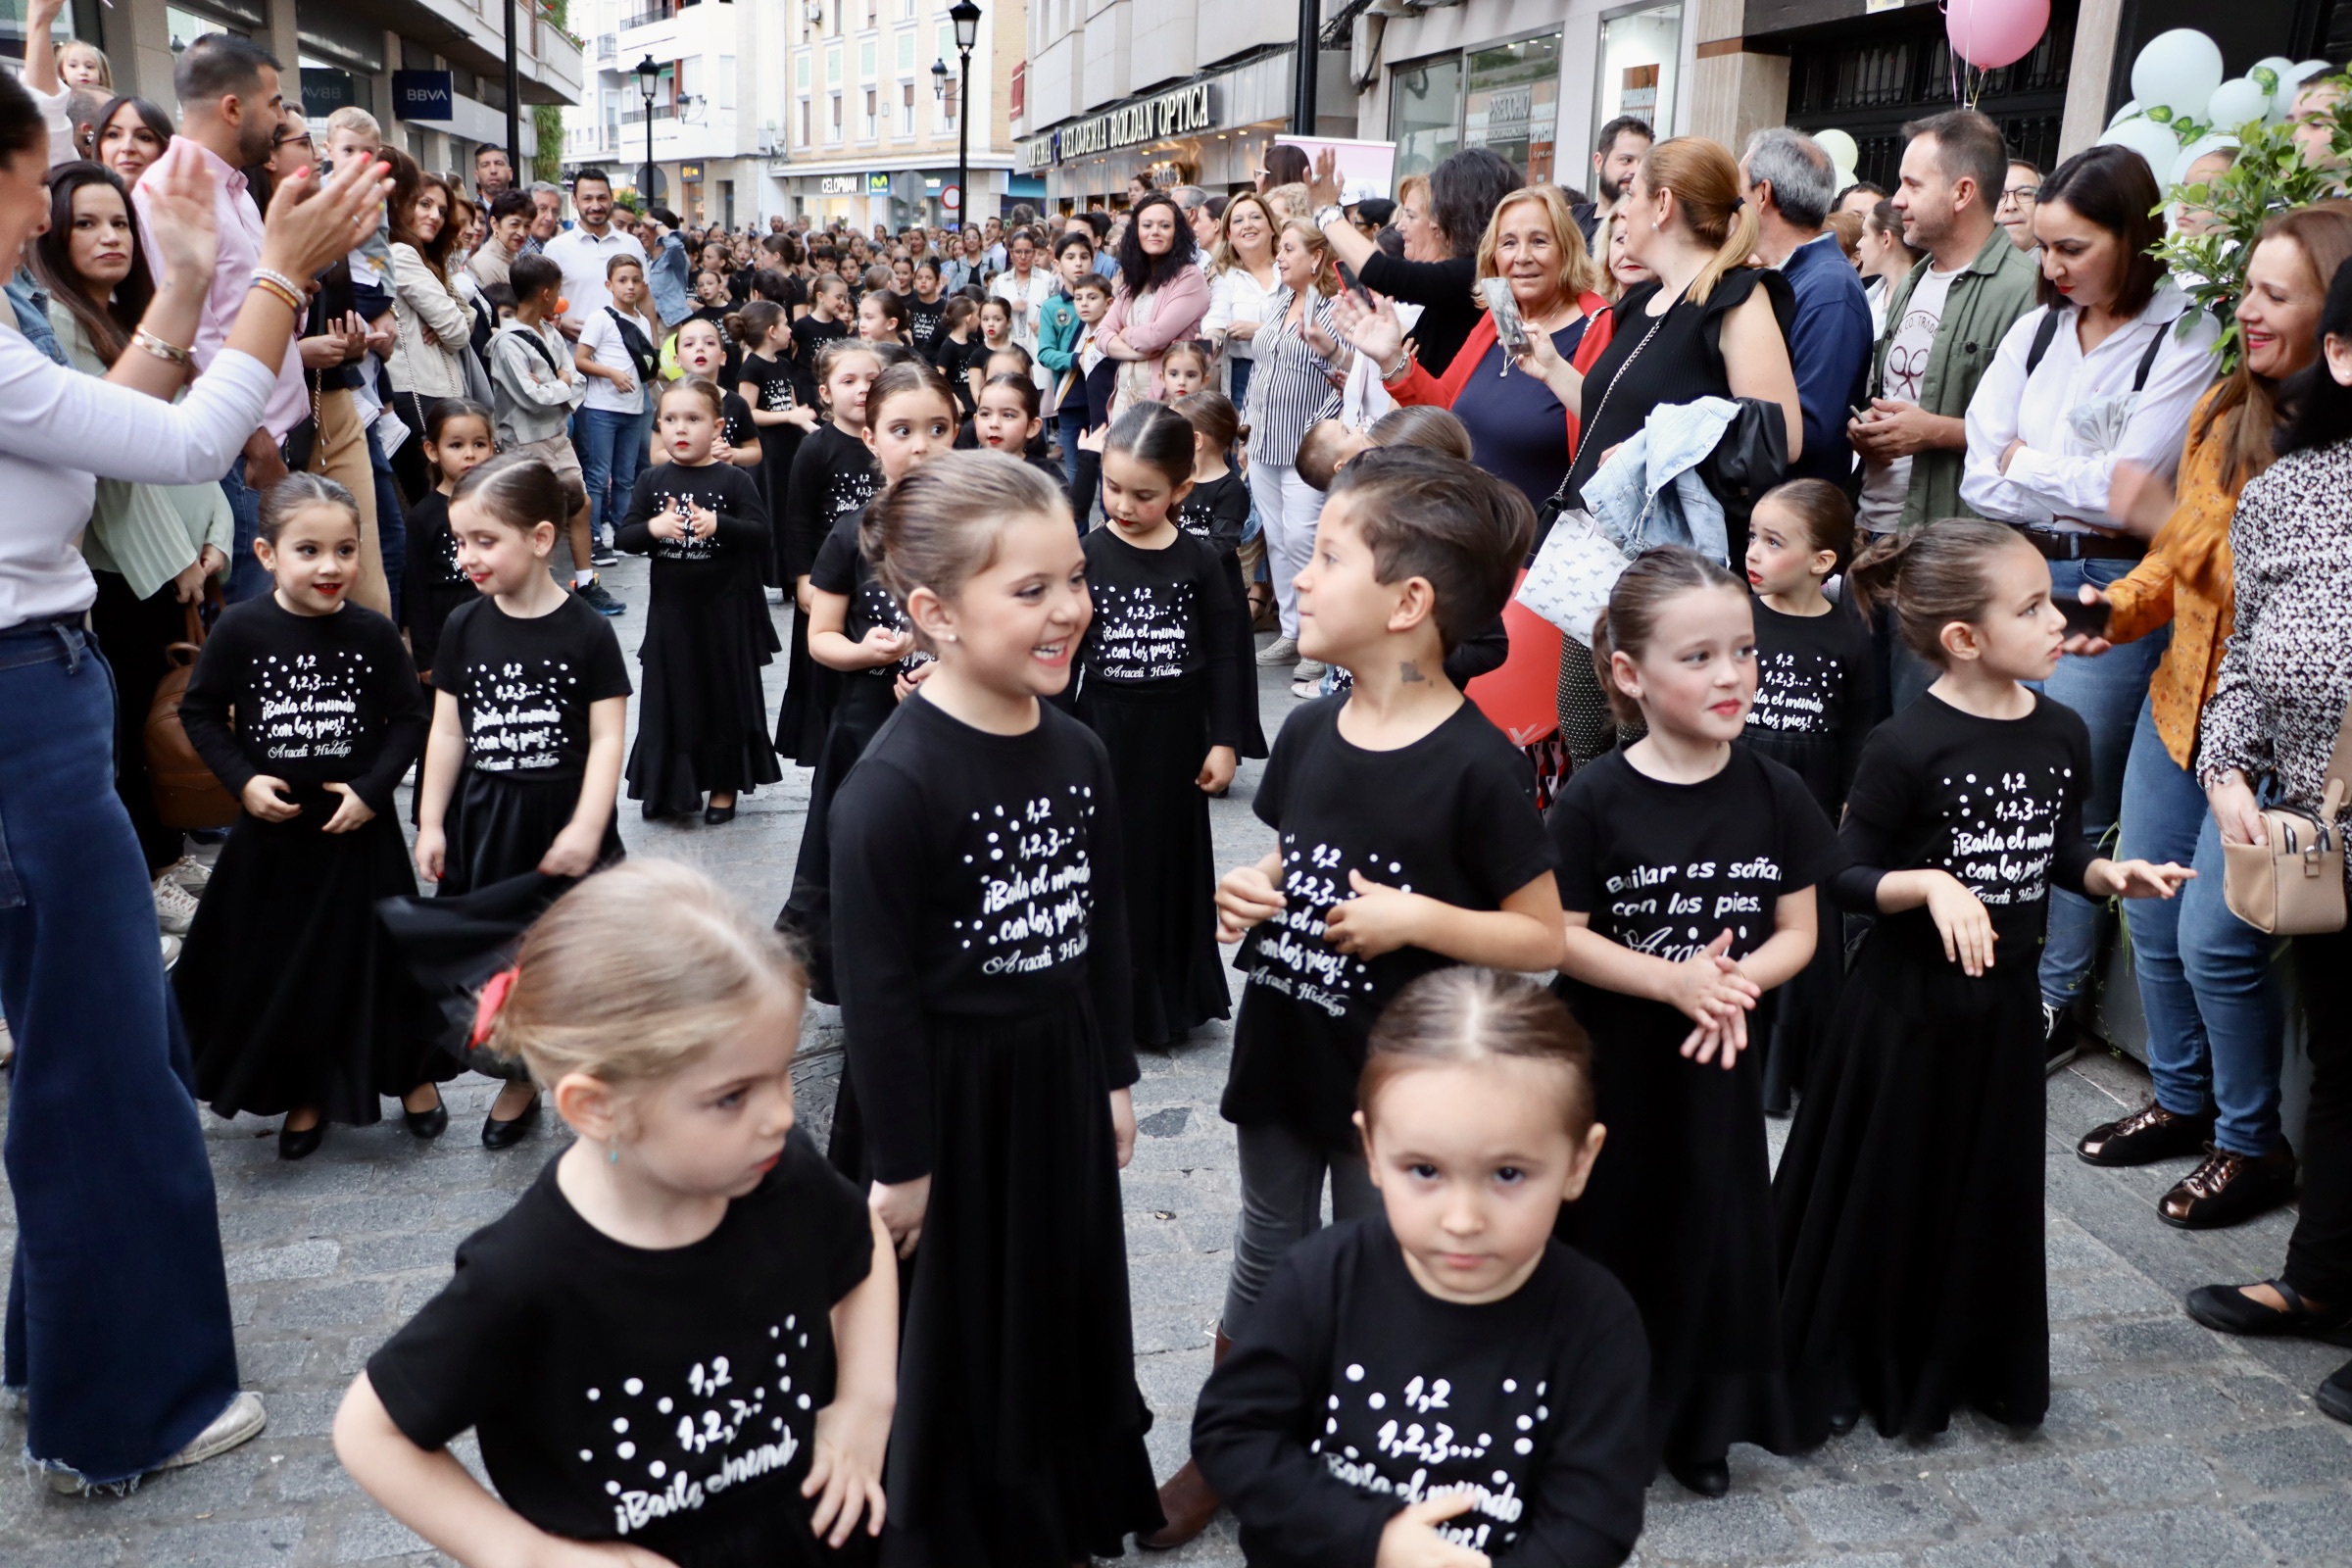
x=1710, y=325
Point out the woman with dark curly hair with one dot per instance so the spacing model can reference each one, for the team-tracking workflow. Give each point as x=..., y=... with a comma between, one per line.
x=1162, y=298
x=1441, y=217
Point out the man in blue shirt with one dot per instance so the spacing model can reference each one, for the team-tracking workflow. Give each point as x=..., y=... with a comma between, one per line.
x=1790, y=182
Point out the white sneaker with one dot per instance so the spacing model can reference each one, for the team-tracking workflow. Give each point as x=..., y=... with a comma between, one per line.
x=8, y=1044
x=189, y=872
x=241, y=1422
x=776, y=596
x=172, y=947
x=1281, y=651
x=175, y=907
x=1308, y=669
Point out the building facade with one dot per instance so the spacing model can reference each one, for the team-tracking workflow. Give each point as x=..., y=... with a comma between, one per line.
x=444, y=59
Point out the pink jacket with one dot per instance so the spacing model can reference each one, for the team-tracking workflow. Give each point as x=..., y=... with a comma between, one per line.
x=1177, y=310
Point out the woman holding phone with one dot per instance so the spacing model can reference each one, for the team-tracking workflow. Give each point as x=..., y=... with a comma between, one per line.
x=1440, y=220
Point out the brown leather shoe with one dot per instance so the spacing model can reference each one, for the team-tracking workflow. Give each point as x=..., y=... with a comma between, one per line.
x=1185, y=1501
x=2227, y=1189
x=2149, y=1134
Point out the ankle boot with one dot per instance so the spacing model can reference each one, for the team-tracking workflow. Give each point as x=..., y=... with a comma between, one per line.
x=1186, y=1499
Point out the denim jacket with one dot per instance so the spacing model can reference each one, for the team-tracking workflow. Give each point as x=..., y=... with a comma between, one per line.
x=668, y=282
x=1648, y=492
x=31, y=303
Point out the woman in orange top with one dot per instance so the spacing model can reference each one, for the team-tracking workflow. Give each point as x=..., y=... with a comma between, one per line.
x=2214, y=1024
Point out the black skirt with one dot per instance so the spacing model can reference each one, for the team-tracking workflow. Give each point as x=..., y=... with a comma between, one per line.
x=1909, y=1198
x=1157, y=734
x=866, y=701
x=499, y=826
x=1018, y=1439
x=1245, y=651
x=809, y=693
x=292, y=992
x=702, y=724
x=1679, y=1210
x=452, y=944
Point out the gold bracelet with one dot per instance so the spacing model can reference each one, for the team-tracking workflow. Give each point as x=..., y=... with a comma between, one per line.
x=141, y=339
x=279, y=291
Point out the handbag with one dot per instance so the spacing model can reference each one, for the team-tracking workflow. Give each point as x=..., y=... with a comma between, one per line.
x=2292, y=884
x=1749, y=458
x=187, y=794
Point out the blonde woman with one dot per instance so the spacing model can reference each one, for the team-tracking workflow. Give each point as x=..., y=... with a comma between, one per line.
x=1290, y=390
x=1242, y=279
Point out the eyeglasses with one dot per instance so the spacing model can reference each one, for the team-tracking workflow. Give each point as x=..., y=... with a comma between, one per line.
x=302, y=140
x=2019, y=195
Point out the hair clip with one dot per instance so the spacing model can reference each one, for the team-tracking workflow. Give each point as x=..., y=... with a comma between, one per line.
x=486, y=1006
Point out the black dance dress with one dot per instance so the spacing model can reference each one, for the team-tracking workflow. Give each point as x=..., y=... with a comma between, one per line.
x=1909, y=1198
x=703, y=728
x=779, y=444
x=1680, y=1205
x=1217, y=511
x=735, y=423
x=1816, y=700
x=984, y=980
x=1157, y=681
x=523, y=688
x=433, y=588
x=831, y=473
x=865, y=700
x=293, y=994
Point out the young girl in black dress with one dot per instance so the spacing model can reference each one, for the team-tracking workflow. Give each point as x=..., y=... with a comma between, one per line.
x=459, y=438
x=958, y=350
x=833, y=473
x=856, y=630
x=1816, y=695
x=531, y=703
x=769, y=393
x=1009, y=420
x=307, y=710
x=1524, y=1358
x=1909, y=1198
x=1216, y=511
x=703, y=728
x=1687, y=865
x=677, y=1346
x=1156, y=680
x=984, y=980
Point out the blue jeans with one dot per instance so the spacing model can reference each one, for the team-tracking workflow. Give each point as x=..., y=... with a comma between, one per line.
x=245, y=578
x=2108, y=691
x=1239, y=379
x=391, y=528
x=1073, y=425
x=613, y=448
x=2215, y=1016
x=118, y=1324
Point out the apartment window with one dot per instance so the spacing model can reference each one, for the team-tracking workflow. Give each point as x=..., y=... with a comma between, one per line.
x=872, y=8
x=906, y=101
x=832, y=67
x=865, y=59
x=906, y=9
x=869, y=113
x=835, y=133
x=907, y=50
x=690, y=76
x=799, y=72
x=726, y=81
x=806, y=140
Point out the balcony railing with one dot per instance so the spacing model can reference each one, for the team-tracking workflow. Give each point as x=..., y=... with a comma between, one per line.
x=661, y=12
x=636, y=117
x=607, y=45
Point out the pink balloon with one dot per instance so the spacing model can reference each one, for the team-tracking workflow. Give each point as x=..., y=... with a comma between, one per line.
x=1992, y=34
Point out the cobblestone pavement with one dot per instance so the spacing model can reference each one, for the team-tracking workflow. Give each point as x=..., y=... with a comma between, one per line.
x=2167, y=1446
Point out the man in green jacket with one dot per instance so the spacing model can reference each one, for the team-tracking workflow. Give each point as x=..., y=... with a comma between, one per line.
x=1943, y=324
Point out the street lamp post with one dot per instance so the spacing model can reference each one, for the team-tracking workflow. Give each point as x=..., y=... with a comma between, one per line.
x=939, y=91
x=966, y=16
x=648, y=73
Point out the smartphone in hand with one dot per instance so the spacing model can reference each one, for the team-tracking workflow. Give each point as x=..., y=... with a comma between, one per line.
x=2084, y=620
x=1509, y=331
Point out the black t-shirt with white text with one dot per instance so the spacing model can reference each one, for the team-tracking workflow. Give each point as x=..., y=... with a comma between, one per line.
x=1815, y=693
x=833, y=473
x=1161, y=614
x=841, y=568
x=1350, y=1392
x=664, y=1398
x=774, y=385
x=692, y=568
x=1217, y=509
x=525, y=686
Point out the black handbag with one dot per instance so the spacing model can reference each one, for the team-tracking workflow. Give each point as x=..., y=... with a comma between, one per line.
x=1750, y=460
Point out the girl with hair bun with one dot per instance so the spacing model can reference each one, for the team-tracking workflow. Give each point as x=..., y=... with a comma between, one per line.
x=1687, y=865
x=1909, y=1200
x=1216, y=510
x=986, y=1002
x=704, y=727
x=307, y=710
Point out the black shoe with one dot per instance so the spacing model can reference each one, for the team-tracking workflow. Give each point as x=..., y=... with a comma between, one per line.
x=2228, y=1188
x=1709, y=1477
x=2060, y=1043
x=498, y=1134
x=654, y=813
x=426, y=1123
x=2149, y=1134
x=1843, y=1421
x=2334, y=1397
x=301, y=1145
x=2228, y=1309
x=719, y=816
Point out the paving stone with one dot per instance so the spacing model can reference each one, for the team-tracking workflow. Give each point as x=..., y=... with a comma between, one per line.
x=304, y=1260
x=2010, y=1494
x=331, y=1307
x=2167, y=1406
x=1887, y=1510
x=2313, y=1530
x=225, y=1543
x=1725, y=1529
x=373, y=1537
x=2152, y=1472
x=2289, y=1456
x=2163, y=1339
x=2038, y=1551
x=2189, y=1538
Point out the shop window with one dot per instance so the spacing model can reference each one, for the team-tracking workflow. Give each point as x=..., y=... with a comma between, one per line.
x=1641, y=54
x=1511, y=102
x=1425, y=111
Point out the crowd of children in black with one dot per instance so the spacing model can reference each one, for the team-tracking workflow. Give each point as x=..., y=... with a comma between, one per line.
x=698, y=1339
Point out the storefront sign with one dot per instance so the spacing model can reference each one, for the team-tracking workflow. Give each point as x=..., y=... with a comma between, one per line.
x=878, y=184
x=423, y=94
x=837, y=185
x=691, y=174
x=1185, y=111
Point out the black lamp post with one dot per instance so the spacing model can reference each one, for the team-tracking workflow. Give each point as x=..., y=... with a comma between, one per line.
x=648, y=73
x=966, y=16
x=938, y=90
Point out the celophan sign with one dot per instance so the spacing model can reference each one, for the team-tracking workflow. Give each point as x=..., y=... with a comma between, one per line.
x=1179, y=113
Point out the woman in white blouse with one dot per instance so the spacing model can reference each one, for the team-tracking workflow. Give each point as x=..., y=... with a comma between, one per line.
x=2100, y=376
x=132, y=1364
x=1242, y=279
x=436, y=325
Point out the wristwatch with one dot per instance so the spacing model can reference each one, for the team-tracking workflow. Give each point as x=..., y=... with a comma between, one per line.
x=1328, y=215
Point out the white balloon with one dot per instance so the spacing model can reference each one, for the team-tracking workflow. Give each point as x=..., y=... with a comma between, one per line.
x=2233, y=103
x=2126, y=113
x=2153, y=142
x=2277, y=65
x=1846, y=175
x=1838, y=145
x=2217, y=142
x=2180, y=68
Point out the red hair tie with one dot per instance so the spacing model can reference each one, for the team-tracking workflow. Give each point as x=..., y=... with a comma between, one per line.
x=486, y=1006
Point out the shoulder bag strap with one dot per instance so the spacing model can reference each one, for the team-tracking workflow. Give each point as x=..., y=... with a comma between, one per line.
x=2045, y=332
x=1559, y=497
